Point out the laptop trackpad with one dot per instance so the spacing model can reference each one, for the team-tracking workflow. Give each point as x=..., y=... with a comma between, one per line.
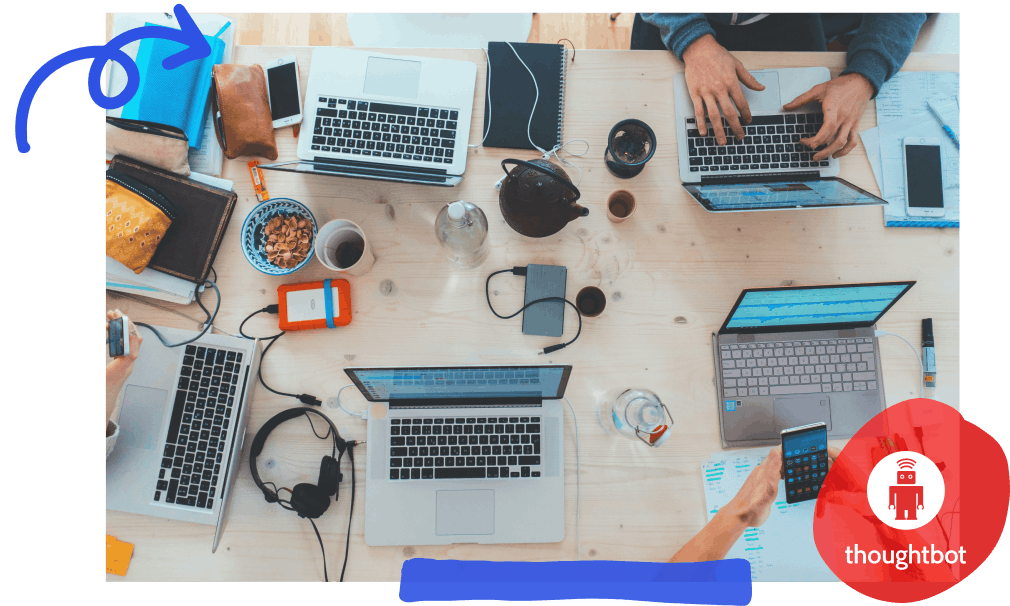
x=141, y=417
x=464, y=512
x=767, y=100
x=793, y=411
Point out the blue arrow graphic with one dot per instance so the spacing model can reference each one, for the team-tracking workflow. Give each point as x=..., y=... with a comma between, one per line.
x=189, y=35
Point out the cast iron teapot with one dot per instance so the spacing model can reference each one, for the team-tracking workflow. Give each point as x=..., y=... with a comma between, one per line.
x=537, y=199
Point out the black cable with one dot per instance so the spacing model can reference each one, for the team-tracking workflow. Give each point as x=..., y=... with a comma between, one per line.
x=322, y=437
x=303, y=398
x=326, y=575
x=521, y=271
x=207, y=325
x=347, y=545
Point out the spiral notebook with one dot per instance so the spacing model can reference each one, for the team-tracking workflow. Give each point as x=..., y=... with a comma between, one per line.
x=511, y=95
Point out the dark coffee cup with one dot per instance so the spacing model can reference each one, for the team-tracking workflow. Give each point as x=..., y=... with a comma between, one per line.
x=591, y=301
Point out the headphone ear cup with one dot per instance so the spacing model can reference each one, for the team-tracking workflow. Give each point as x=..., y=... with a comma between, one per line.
x=329, y=476
x=308, y=501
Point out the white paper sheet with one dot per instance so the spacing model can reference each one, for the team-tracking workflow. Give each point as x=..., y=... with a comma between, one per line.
x=781, y=549
x=907, y=92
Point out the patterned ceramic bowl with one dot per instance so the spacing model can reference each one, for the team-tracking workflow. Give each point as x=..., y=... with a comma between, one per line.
x=253, y=228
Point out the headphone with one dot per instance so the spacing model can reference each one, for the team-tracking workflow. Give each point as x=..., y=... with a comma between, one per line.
x=307, y=500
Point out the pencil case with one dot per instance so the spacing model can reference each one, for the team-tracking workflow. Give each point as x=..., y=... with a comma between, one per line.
x=241, y=110
x=137, y=217
x=160, y=145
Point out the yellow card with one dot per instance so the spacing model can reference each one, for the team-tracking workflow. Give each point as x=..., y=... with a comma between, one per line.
x=117, y=555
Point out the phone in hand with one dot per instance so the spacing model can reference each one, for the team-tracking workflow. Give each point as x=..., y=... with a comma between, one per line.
x=119, y=338
x=804, y=460
x=284, y=90
x=923, y=177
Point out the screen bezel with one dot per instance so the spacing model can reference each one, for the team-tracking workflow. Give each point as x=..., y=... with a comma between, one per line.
x=293, y=118
x=458, y=402
x=876, y=201
x=725, y=330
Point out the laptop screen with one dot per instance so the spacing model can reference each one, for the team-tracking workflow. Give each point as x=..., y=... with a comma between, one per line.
x=464, y=382
x=780, y=195
x=803, y=308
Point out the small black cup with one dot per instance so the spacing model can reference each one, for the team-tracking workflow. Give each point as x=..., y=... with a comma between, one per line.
x=591, y=301
x=631, y=144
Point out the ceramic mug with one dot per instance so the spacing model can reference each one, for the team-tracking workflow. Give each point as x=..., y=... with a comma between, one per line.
x=342, y=246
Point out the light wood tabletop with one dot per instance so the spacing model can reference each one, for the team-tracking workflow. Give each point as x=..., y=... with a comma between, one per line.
x=670, y=273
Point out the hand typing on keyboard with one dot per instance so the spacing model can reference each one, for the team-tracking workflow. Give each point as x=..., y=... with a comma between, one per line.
x=713, y=78
x=843, y=101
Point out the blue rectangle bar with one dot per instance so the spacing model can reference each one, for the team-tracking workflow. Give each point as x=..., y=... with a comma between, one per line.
x=720, y=582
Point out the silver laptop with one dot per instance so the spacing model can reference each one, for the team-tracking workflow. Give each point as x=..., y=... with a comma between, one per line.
x=182, y=423
x=389, y=117
x=792, y=356
x=465, y=454
x=769, y=169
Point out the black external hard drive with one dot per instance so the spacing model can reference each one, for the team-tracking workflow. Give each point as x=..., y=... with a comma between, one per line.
x=548, y=317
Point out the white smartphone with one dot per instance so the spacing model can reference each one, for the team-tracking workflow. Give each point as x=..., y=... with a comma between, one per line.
x=923, y=177
x=284, y=90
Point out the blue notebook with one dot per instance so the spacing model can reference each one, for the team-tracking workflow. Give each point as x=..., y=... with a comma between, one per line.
x=175, y=97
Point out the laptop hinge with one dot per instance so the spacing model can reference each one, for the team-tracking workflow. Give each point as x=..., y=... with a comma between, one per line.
x=413, y=170
x=806, y=175
x=465, y=403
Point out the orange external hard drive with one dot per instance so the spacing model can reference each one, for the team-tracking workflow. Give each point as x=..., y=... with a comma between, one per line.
x=319, y=304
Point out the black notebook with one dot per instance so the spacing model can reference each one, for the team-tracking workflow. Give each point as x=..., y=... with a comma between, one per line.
x=512, y=94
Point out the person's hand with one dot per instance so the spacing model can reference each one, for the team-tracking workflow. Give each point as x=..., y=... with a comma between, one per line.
x=843, y=101
x=119, y=369
x=713, y=78
x=753, y=503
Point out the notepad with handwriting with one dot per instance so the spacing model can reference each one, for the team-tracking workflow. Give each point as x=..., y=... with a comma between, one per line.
x=511, y=95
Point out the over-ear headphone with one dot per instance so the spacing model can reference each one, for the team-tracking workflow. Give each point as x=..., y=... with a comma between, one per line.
x=307, y=500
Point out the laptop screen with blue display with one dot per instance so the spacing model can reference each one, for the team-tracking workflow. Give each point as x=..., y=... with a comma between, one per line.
x=464, y=382
x=780, y=195
x=803, y=308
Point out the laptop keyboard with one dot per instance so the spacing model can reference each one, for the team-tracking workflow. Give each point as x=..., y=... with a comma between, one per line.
x=191, y=466
x=797, y=367
x=436, y=448
x=386, y=130
x=771, y=143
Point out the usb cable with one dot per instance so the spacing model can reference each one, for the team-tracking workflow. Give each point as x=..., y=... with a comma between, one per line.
x=521, y=271
x=884, y=333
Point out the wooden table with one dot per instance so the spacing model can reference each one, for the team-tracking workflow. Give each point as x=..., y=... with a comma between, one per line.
x=670, y=274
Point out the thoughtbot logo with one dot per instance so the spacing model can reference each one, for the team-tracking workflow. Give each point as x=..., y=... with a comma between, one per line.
x=905, y=490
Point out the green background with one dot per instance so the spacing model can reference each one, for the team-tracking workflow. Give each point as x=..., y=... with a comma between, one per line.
x=53, y=300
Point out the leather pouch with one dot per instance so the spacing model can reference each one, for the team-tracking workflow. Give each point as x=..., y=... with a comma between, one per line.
x=241, y=108
x=137, y=217
x=161, y=145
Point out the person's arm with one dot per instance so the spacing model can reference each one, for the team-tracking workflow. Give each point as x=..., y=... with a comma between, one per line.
x=679, y=30
x=881, y=45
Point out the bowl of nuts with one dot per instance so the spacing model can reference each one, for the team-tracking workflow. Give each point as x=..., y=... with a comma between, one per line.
x=278, y=236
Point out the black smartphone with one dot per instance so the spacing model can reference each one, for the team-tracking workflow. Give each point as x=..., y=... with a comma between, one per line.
x=805, y=460
x=119, y=340
x=547, y=318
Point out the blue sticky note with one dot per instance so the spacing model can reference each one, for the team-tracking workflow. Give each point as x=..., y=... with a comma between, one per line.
x=730, y=405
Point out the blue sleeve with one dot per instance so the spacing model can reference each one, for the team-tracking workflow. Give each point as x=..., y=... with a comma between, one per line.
x=679, y=30
x=882, y=44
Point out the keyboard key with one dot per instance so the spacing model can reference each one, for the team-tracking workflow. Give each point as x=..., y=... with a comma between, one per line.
x=458, y=473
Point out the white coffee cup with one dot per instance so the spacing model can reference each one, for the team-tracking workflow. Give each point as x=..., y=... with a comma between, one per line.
x=338, y=242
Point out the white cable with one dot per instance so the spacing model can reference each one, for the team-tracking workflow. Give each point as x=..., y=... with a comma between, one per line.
x=363, y=415
x=578, y=478
x=922, y=370
x=488, y=99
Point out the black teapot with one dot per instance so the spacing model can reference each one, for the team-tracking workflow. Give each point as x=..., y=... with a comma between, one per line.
x=537, y=199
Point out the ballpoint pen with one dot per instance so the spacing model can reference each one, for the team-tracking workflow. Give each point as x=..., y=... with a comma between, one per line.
x=946, y=128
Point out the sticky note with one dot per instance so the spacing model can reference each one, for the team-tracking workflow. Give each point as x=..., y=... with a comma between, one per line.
x=117, y=555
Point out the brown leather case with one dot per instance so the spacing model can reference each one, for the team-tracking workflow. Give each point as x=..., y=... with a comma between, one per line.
x=188, y=249
x=245, y=127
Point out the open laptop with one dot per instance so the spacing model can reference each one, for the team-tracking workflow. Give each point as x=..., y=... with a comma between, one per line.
x=769, y=169
x=796, y=355
x=182, y=423
x=388, y=117
x=465, y=454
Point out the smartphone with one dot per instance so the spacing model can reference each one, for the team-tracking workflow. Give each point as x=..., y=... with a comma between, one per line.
x=285, y=93
x=119, y=338
x=923, y=177
x=805, y=460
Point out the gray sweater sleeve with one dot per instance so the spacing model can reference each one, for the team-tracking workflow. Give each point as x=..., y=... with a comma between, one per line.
x=679, y=30
x=882, y=44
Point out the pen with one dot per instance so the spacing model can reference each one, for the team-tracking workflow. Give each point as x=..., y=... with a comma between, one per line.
x=946, y=128
x=928, y=353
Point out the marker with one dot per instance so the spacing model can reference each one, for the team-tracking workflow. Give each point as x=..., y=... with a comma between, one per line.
x=946, y=128
x=928, y=354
